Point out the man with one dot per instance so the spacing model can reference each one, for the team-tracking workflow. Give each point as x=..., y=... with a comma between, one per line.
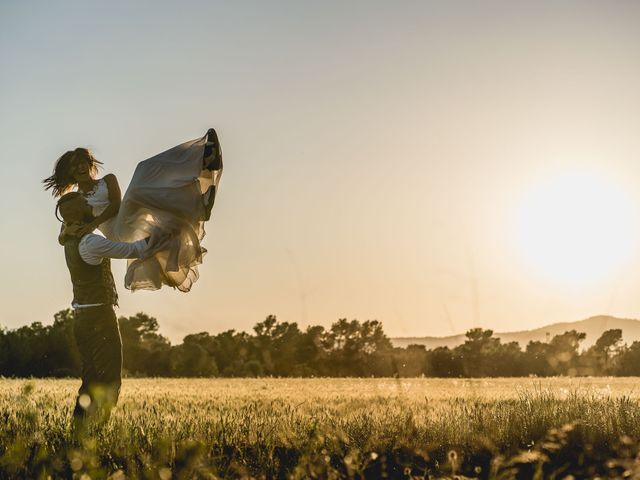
x=95, y=324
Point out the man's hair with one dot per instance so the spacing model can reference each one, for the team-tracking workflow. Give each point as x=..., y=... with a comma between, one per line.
x=66, y=198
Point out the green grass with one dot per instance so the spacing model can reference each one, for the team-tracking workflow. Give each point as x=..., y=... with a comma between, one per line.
x=327, y=428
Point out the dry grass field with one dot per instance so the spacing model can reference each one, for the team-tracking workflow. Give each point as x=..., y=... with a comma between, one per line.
x=329, y=428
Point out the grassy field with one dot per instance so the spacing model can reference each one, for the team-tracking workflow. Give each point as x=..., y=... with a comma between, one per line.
x=329, y=428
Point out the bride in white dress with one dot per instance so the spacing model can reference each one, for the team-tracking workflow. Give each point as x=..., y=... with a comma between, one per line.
x=98, y=198
x=173, y=191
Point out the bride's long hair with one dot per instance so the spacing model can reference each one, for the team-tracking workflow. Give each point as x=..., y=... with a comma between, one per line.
x=62, y=179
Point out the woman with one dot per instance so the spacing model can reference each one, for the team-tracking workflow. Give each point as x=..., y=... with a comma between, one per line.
x=173, y=191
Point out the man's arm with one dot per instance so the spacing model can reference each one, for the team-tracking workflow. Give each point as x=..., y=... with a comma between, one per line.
x=93, y=248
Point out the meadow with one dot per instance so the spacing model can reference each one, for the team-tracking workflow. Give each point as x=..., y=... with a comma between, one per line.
x=329, y=428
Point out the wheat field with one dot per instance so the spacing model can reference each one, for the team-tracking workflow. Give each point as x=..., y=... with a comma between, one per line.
x=328, y=428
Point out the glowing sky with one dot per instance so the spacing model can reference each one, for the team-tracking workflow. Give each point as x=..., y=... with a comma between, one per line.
x=383, y=160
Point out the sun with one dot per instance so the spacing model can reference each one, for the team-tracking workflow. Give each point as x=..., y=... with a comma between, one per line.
x=576, y=228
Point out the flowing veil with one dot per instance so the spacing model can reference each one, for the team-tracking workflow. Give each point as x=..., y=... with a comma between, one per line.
x=171, y=193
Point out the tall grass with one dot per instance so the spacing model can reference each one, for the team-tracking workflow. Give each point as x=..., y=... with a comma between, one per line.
x=326, y=428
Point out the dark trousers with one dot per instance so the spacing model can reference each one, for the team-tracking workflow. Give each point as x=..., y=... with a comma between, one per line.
x=98, y=340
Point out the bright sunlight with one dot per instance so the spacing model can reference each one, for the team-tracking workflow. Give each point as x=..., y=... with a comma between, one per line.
x=576, y=228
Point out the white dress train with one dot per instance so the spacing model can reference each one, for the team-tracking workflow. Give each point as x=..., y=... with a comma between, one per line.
x=172, y=192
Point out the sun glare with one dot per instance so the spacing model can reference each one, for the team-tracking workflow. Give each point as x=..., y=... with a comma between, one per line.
x=576, y=228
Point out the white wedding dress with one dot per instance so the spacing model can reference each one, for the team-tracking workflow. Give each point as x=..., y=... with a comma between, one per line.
x=172, y=193
x=98, y=198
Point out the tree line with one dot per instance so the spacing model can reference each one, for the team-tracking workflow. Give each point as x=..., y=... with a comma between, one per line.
x=282, y=349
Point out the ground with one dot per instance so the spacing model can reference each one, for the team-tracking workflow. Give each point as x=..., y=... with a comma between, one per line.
x=328, y=428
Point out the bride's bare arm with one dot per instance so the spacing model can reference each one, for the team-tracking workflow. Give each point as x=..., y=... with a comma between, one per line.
x=115, y=197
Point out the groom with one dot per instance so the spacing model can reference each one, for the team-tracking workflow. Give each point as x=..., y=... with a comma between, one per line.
x=95, y=324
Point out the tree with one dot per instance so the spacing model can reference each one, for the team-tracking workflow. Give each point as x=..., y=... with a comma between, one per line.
x=407, y=362
x=63, y=352
x=278, y=344
x=599, y=359
x=192, y=358
x=537, y=358
x=312, y=355
x=348, y=348
x=39, y=350
x=628, y=361
x=143, y=348
x=444, y=362
x=232, y=351
x=477, y=351
x=351, y=344
x=563, y=353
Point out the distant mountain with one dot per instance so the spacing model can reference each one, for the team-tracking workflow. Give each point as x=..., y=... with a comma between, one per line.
x=593, y=327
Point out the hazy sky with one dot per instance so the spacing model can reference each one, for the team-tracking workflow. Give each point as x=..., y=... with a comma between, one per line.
x=421, y=163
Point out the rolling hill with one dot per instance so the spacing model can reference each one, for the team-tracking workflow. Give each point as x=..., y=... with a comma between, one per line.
x=593, y=327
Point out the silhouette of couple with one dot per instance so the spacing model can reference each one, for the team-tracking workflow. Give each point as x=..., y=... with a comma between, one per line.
x=157, y=226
